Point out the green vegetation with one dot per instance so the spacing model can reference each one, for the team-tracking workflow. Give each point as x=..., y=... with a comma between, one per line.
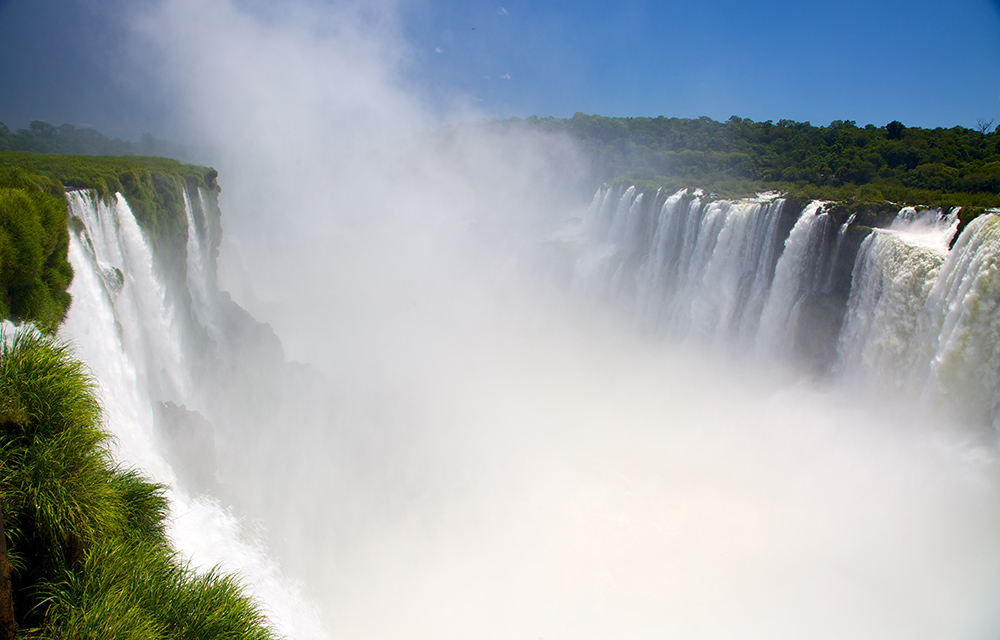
x=842, y=162
x=34, y=239
x=43, y=137
x=34, y=272
x=153, y=187
x=86, y=539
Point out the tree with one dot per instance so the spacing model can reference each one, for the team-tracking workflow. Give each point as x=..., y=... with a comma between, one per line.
x=894, y=130
x=43, y=129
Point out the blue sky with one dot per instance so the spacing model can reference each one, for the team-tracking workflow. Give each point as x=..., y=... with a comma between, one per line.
x=924, y=63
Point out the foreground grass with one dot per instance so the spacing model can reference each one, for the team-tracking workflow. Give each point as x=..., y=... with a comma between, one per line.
x=86, y=538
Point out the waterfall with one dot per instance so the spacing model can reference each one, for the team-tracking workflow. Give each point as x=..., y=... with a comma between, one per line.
x=893, y=277
x=963, y=316
x=129, y=331
x=104, y=322
x=916, y=319
x=798, y=276
x=546, y=479
x=200, y=278
x=923, y=320
x=699, y=268
x=838, y=252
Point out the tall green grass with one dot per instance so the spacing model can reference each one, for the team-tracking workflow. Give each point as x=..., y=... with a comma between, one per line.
x=86, y=538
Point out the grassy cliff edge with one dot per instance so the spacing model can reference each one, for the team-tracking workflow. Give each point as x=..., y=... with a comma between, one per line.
x=86, y=539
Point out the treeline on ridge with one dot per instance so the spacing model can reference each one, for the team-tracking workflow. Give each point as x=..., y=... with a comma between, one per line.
x=45, y=137
x=842, y=161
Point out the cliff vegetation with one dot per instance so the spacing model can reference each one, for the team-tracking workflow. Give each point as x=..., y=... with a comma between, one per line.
x=86, y=539
x=34, y=272
x=45, y=137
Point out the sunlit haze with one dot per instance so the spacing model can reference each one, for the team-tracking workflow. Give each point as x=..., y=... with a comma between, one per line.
x=485, y=438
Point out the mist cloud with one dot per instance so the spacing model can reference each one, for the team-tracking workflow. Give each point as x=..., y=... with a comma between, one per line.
x=496, y=461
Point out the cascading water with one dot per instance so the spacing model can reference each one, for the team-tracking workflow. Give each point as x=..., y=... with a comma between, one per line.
x=550, y=480
x=710, y=269
x=920, y=320
x=964, y=318
x=892, y=279
x=923, y=320
x=693, y=267
x=796, y=276
x=123, y=325
x=200, y=277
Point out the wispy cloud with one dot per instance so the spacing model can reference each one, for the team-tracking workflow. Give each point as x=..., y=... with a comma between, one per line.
x=502, y=11
x=505, y=76
x=437, y=49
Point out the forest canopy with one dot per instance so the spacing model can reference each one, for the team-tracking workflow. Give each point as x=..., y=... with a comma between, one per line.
x=45, y=137
x=841, y=161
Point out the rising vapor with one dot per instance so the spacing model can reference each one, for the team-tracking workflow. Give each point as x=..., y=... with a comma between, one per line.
x=481, y=456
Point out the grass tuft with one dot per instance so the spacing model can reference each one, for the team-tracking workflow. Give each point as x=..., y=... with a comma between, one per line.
x=86, y=538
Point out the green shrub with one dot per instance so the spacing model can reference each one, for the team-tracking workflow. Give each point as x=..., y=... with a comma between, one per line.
x=86, y=539
x=34, y=238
